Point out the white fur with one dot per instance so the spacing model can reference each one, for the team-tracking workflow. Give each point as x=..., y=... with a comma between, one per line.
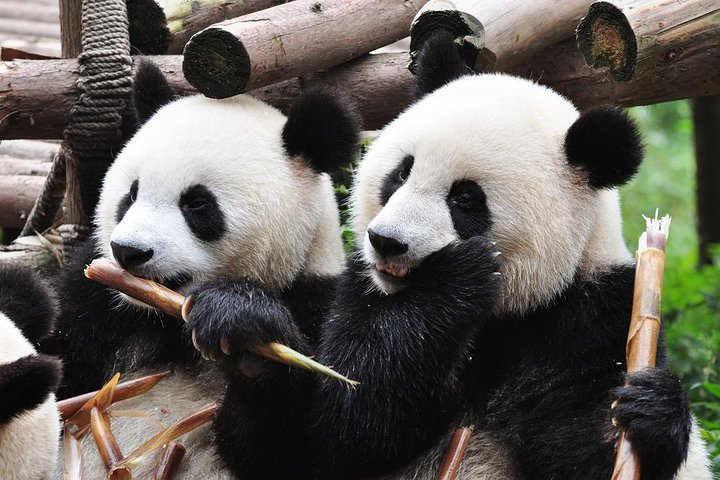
x=507, y=134
x=697, y=465
x=281, y=219
x=28, y=444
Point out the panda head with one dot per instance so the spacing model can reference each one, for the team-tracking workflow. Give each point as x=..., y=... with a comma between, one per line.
x=209, y=189
x=500, y=157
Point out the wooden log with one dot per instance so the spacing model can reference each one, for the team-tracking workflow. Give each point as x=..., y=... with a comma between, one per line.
x=199, y=15
x=706, y=118
x=19, y=166
x=24, y=10
x=380, y=85
x=17, y=197
x=633, y=37
x=70, y=28
x=291, y=40
x=498, y=35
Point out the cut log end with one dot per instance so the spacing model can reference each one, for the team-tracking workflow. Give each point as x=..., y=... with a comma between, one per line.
x=467, y=30
x=216, y=63
x=606, y=39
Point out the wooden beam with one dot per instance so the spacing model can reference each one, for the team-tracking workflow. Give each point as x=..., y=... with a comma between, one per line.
x=633, y=37
x=36, y=96
x=496, y=35
x=291, y=40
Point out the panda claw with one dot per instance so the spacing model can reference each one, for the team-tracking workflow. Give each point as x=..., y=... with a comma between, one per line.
x=225, y=345
x=497, y=254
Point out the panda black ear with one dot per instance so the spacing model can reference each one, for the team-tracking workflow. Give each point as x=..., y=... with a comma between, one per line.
x=151, y=90
x=323, y=130
x=606, y=143
x=438, y=62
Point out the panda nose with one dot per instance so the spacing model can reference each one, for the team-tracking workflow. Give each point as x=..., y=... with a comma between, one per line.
x=129, y=257
x=387, y=246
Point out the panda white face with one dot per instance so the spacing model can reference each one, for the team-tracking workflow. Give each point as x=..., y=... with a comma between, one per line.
x=205, y=189
x=483, y=155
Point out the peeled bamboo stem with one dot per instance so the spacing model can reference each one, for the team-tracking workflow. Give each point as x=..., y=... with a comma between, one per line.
x=456, y=452
x=172, y=454
x=158, y=296
x=107, y=445
x=644, y=325
x=123, y=391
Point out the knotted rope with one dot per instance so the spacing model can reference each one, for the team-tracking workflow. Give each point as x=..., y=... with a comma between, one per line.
x=94, y=130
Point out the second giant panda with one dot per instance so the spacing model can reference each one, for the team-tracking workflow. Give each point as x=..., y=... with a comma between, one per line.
x=492, y=287
x=207, y=196
x=29, y=419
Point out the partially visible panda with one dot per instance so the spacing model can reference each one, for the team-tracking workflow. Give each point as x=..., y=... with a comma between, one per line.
x=207, y=196
x=29, y=419
x=492, y=287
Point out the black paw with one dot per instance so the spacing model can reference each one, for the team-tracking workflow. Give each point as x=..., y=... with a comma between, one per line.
x=654, y=412
x=232, y=318
x=469, y=267
x=28, y=300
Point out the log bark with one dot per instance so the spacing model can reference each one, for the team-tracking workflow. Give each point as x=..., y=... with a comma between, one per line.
x=17, y=197
x=498, y=35
x=379, y=84
x=291, y=40
x=203, y=14
x=632, y=37
x=706, y=118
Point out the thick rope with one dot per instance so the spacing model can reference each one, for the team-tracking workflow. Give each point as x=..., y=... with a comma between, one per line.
x=94, y=131
x=47, y=204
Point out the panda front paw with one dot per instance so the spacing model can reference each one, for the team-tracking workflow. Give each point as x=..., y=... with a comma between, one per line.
x=468, y=269
x=232, y=318
x=654, y=412
x=28, y=300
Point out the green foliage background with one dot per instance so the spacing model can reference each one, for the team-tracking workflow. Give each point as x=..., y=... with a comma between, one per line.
x=691, y=295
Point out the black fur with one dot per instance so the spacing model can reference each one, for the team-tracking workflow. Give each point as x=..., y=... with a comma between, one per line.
x=606, y=144
x=151, y=91
x=126, y=202
x=438, y=63
x=26, y=383
x=202, y=213
x=96, y=338
x=396, y=179
x=544, y=381
x=323, y=130
x=468, y=209
x=263, y=398
x=407, y=351
x=650, y=395
x=28, y=300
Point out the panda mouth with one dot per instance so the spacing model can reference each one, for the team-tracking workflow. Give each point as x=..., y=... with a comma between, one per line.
x=393, y=270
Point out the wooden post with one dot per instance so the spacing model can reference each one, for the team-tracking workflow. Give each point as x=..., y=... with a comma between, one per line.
x=290, y=40
x=496, y=35
x=70, y=30
x=706, y=118
x=633, y=37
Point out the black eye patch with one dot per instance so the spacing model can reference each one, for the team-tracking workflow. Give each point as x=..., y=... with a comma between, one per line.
x=126, y=202
x=396, y=179
x=468, y=209
x=202, y=213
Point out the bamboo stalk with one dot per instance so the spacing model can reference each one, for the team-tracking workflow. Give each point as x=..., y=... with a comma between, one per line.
x=633, y=37
x=644, y=325
x=72, y=455
x=181, y=427
x=172, y=454
x=107, y=446
x=102, y=400
x=158, y=296
x=123, y=391
x=456, y=452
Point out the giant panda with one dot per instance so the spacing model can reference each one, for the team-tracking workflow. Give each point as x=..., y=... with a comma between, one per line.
x=208, y=195
x=29, y=419
x=492, y=287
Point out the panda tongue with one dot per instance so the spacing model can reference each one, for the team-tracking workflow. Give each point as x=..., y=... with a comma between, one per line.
x=394, y=270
